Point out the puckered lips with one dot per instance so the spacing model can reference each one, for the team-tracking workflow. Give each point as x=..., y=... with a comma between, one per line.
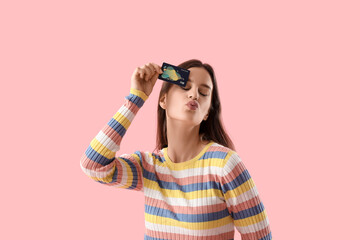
x=193, y=105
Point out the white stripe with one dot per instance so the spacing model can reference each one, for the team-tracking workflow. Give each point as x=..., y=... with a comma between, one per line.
x=127, y=113
x=180, y=230
x=191, y=172
x=231, y=163
x=107, y=142
x=198, y=202
x=253, y=227
x=94, y=173
x=251, y=193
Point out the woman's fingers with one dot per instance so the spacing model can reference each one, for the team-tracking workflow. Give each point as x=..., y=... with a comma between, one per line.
x=147, y=71
x=156, y=68
x=142, y=73
x=152, y=69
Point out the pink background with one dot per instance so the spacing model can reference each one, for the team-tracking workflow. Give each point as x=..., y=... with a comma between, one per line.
x=288, y=74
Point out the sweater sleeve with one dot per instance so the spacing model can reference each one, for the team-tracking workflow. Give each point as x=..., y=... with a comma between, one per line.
x=243, y=201
x=99, y=162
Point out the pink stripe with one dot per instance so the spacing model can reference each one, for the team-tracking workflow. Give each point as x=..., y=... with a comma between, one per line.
x=120, y=173
x=188, y=180
x=245, y=205
x=91, y=165
x=235, y=172
x=158, y=234
x=183, y=209
x=131, y=106
x=218, y=149
x=112, y=134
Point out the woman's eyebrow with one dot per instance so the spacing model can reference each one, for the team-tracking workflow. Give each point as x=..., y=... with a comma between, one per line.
x=203, y=84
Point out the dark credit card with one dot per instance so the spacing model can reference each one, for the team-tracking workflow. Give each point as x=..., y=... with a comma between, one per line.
x=174, y=74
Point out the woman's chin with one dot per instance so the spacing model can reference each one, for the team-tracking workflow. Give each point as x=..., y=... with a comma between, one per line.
x=191, y=121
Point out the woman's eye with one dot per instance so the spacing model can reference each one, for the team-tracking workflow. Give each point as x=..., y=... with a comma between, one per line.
x=189, y=88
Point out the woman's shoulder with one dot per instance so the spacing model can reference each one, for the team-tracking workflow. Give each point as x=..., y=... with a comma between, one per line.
x=215, y=146
x=220, y=151
x=230, y=158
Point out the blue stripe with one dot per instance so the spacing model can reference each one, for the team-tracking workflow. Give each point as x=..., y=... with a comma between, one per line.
x=193, y=187
x=114, y=175
x=134, y=173
x=248, y=212
x=243, y=177
x=97, y=157
x=151, y=238
x=158, y=157
x=214, y=154
x=135, y=99
x=201, y=217
x=118, y=127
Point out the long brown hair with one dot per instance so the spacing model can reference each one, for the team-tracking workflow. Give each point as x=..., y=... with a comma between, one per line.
x=212, y=128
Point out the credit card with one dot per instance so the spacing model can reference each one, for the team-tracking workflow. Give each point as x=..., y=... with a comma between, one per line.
x=174, y=74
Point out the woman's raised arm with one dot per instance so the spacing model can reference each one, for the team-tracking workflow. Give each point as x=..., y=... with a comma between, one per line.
x=99, y=162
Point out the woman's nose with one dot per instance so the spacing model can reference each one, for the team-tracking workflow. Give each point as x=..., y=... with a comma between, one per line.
x=193, y=94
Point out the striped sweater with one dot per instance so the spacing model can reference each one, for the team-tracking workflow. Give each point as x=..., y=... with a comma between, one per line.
x=204, y=198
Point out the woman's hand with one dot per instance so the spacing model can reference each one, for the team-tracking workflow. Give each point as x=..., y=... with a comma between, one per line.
x=144, y=77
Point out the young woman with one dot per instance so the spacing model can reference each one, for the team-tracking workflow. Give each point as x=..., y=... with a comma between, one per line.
x=195, y=184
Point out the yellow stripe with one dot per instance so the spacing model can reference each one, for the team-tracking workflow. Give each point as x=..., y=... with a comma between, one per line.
x=227, y=158
x=129, y=172
x=189, y=225
x=122, y=120
x=102, y=149
x=246, y=186
x=203, y=163
x=251, y=220
x=139, y=93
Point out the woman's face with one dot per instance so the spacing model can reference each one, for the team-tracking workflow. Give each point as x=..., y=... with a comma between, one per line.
x=199, y=88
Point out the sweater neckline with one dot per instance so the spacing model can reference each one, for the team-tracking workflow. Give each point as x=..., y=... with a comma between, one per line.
x=182, y=164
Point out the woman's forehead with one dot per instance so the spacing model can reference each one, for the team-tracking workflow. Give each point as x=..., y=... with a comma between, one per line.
x=200, y=76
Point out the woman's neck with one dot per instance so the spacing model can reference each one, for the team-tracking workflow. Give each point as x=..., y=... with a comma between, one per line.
x=184, y=142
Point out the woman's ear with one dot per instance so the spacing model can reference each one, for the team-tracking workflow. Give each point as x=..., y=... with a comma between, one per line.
x=162, y=102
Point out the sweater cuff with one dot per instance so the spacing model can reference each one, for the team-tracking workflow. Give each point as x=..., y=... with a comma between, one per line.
x=139, y=93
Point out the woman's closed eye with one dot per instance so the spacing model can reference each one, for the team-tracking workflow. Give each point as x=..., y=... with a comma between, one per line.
x=199, y=92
